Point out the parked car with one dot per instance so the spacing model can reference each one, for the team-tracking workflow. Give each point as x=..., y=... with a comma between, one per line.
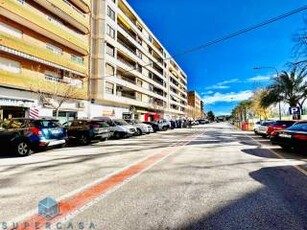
x=85, y=131
x=292, y=138
x=163, y=124
x=278, y=125
x=141, y=128
x=155, y=126
x=257, y=124
x=263, y=128
x=119, y=127
x=203, y=121
x=21, y=135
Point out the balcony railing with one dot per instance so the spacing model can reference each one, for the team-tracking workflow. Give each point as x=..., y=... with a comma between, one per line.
x=126, y=62
x=21, y=46
x=39, y=21
x=126, y=46
x=29, y=81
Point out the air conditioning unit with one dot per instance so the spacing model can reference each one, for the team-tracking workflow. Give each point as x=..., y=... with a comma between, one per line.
x=81, y=104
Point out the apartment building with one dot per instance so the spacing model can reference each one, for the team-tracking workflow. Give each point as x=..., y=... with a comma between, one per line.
x=132, y=74
x=44, y=45
x=195, y=105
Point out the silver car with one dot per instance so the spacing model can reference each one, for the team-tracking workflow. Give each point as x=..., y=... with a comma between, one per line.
x=141, y=128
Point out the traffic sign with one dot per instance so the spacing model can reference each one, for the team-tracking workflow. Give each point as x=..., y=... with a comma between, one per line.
x=295, y=110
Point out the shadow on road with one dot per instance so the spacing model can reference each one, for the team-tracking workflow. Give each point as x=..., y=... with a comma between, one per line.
x=281, y=203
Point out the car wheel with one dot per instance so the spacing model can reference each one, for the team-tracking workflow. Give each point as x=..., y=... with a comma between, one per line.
x=117, y=135
x=139, y=132
x=84, y=139
x=22, y=148
x=285, y=147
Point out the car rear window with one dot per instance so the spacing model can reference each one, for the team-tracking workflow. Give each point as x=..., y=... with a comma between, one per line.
x=284, y=122
x=46, y=124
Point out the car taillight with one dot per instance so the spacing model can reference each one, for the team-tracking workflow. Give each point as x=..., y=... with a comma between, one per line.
x=35, y=131
x=300, y=137
x=274, y=133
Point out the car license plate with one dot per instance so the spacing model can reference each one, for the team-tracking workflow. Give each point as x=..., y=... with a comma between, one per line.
x=284, y=135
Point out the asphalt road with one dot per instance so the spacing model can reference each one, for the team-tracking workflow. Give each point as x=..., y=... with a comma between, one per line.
x=207, y=177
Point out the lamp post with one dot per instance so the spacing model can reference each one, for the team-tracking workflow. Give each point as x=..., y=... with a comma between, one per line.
x=277, y=75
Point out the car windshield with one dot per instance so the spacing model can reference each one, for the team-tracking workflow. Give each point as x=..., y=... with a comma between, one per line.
x=299, y=127
x=120, y=122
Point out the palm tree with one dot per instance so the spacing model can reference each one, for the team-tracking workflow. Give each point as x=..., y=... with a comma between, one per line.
x=289, y=87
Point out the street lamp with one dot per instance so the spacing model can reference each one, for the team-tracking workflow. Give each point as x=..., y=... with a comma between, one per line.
x=277, y=75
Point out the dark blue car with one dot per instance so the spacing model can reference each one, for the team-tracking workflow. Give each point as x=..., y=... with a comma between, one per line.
x=21, y=135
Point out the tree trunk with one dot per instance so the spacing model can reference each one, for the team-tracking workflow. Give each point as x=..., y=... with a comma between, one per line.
x=57, y=110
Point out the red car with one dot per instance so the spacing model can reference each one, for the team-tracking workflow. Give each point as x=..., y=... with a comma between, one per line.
x=279, y=125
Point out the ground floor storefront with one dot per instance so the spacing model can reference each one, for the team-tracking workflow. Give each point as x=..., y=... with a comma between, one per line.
x=23, y=104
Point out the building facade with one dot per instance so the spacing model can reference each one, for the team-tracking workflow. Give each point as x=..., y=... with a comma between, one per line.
x=195, y=105
x=44, y=46
x=131, y=72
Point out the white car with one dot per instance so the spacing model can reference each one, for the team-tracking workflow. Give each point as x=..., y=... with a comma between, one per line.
x=263, y=128
x=141, y=128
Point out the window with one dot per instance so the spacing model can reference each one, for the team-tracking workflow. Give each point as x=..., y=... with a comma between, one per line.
x=139, y=68
x=139, y=54
x=52, y=76
x=77, y=59
x=150, y=39
x=139, y=40
x=10, y=30
x=110, y=50
x=110, y=31
x=9, y=65
x=139, y=26
x=111, y=13
x=109, y=88
x=54, y=49
x=110, y=70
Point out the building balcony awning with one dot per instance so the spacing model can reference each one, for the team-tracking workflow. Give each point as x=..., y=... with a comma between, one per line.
x=121, y=18
x=36, y=59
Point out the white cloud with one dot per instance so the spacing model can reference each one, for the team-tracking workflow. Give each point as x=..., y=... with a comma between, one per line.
x=227, y=97
x=260, y=78
x=223, y=84
x=207, y=92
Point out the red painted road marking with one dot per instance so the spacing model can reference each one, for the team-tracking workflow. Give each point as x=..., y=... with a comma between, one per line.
x=66, y=206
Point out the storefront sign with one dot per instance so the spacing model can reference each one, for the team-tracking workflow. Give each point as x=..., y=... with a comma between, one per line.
x=16, y=102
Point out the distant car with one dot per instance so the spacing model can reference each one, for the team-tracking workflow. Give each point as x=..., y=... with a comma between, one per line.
x=163, y=124
x=292, y=138
x=119, y=127
x=85, y=131
x=278, y=125
x=203, y=121
x=141, y=128
x=263, y=128
x=21, y=135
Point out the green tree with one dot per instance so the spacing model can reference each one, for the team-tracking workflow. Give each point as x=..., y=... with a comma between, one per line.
x=211, y=116
x=289, y=87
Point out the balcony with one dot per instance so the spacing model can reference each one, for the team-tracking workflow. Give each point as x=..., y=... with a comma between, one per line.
x=26, y=82
x=40, y=54
x=35, y=20
x=130, y=64
x=83, y=4
x=157, y=68
x=68, y=12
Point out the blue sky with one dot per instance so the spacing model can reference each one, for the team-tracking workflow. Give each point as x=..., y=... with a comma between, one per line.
x=223, y=74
